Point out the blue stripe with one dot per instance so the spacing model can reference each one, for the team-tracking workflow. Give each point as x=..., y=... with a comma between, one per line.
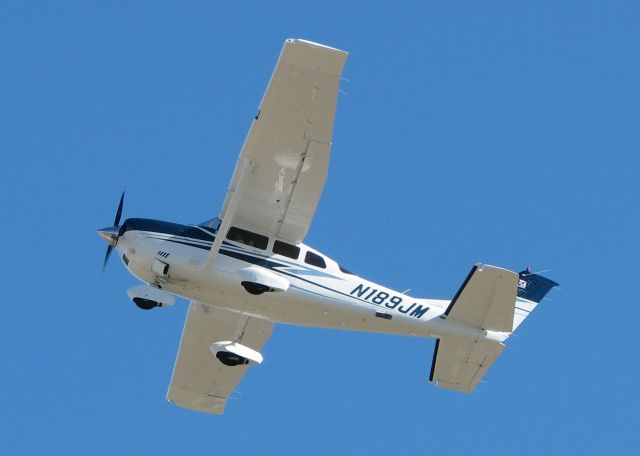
x=269, y=264
x=193, y=236
x=206, y=245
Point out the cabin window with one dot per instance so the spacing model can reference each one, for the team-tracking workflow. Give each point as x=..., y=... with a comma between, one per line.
x=247, y=237
x=315, y=260
x=284, y=249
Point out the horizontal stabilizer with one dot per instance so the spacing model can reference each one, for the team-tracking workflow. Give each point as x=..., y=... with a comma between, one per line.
x=460, y=363
x=486, y=299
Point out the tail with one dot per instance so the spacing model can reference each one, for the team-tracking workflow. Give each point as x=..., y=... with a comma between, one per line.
x=532, y=288
x=492, y=299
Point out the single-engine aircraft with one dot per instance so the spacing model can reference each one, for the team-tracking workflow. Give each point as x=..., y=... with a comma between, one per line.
x=248, y=269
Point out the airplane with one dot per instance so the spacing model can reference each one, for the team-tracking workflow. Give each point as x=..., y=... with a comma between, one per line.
x=249, y=269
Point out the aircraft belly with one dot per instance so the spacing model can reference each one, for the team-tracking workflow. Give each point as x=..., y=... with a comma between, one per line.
x=309, y=309
x=316, y=302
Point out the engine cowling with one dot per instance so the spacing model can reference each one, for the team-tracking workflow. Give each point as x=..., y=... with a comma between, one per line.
x=146, y=297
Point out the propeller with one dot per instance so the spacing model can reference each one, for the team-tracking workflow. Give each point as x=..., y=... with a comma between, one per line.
x=116, y=222
x=112, y=233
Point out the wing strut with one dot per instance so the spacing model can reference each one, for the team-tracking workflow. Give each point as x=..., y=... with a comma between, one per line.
x=243, y=164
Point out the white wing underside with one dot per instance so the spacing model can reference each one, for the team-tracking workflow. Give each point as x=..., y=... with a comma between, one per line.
x=200, y=381
x=274, y=190
x=286, y=153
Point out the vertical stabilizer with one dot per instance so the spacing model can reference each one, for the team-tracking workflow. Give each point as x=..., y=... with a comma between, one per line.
x=531, y=289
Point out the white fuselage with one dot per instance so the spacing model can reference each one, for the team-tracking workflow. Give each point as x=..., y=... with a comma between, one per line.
x=321, y=297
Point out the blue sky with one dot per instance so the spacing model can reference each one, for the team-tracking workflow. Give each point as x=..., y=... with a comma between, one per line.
x=497, y=132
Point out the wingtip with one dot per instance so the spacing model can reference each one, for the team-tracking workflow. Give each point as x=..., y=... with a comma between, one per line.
x=313, y=44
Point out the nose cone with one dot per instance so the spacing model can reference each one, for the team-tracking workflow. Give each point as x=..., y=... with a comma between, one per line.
x=109, y=234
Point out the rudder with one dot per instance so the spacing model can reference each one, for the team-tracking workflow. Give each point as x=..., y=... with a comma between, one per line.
x=532, y=288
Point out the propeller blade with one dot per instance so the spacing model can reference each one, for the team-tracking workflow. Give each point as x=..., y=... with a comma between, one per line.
x=108, y=233
x=106, y=257
x=119, y=211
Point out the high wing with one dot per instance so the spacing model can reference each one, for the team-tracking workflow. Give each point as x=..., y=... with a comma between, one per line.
x=283, y=164
x=200, y=381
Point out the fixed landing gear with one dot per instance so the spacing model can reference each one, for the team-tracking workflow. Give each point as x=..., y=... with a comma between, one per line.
x=255, y=288
x=145, y=304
